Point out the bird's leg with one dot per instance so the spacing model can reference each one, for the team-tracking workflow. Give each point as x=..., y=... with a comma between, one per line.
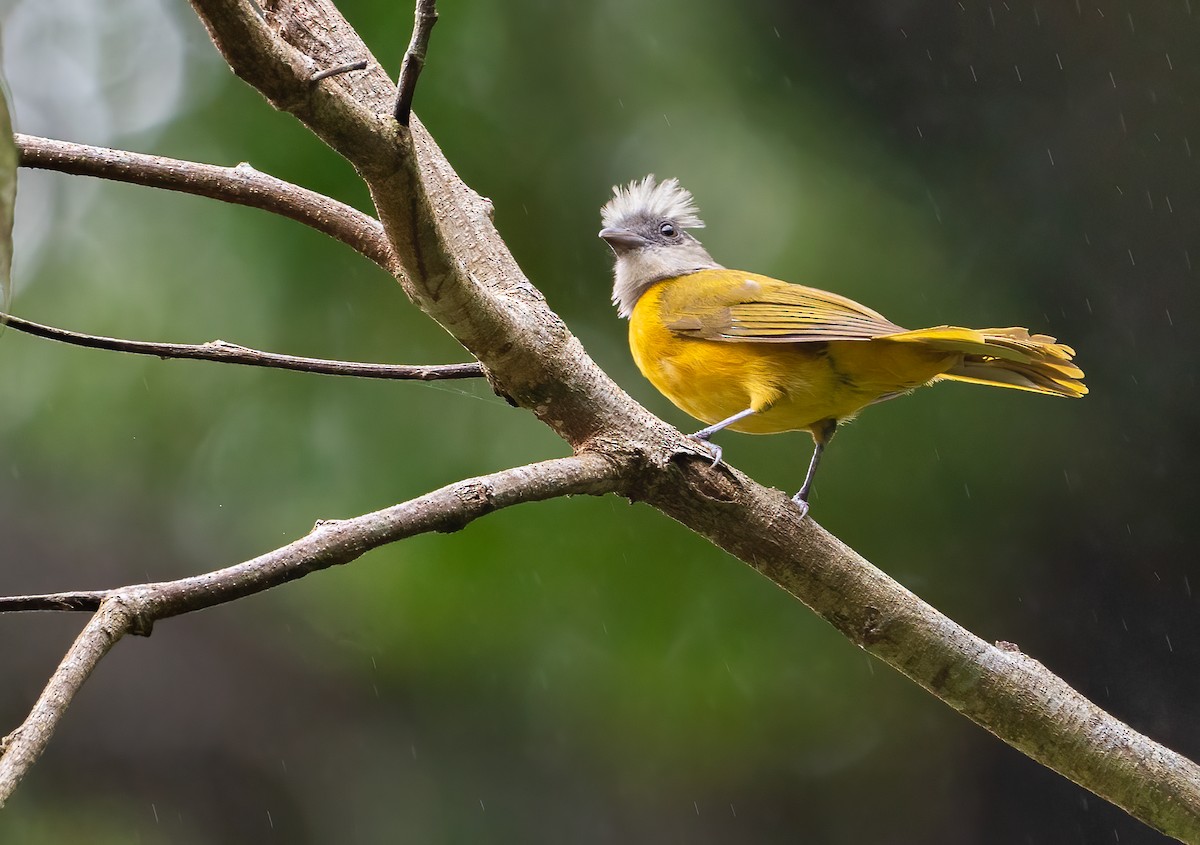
x=821, y=438
x=703, y=434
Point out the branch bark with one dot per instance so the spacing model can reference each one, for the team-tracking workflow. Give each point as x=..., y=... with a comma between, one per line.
x=135, y=609
x=231, y=353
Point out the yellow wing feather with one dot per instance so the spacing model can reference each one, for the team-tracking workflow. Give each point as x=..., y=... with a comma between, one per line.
x=732, y=306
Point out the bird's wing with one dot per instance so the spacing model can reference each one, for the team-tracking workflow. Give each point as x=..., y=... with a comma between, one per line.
x=734, y=306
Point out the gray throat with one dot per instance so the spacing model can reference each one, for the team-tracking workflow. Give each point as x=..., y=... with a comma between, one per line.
x=636, y=271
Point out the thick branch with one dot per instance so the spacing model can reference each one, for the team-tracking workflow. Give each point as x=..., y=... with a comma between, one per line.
x=460, y=272
x=456, y=266
x=1010, y=694
x=231, y=353
x=414, y=59
x=241, y=185
x=135, y=609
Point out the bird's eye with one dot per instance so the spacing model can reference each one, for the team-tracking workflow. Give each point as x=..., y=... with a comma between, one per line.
x=666, y=230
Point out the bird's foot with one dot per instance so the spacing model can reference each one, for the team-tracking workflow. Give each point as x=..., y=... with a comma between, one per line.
x=712, y=448
x=801, y=502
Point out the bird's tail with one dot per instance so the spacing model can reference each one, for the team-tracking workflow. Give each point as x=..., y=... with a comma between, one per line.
x=1005, y=358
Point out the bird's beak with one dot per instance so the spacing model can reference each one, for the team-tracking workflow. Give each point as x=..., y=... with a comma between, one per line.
x=622, y=239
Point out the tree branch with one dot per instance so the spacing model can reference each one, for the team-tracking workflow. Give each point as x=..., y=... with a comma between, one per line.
x=21, y=748
x=76, y=601
x=135, y=609
x=455, y=265
x=459, y=271
x=241, y=185
x=414, y=59
x=231, y=353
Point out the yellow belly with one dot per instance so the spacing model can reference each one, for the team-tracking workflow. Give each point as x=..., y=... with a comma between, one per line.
x=793, y=385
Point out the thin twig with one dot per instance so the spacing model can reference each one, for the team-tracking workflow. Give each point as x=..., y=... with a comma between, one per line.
x=231, y=353
x=84, y=600
x=414, y=59
x=241, y=185
x=135, y=609
x=361, y=64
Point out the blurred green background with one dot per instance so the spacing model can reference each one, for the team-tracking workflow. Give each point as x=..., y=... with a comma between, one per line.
x=585, y=670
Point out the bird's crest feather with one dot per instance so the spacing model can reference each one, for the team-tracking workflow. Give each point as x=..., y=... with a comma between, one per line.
x=665, y=200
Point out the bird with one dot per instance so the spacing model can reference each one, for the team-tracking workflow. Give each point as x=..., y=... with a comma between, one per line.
x=742, y=351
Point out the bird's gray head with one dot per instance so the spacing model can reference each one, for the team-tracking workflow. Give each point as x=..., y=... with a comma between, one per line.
x=644, y=224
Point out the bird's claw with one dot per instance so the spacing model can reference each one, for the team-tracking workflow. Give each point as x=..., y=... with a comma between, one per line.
x=713, y=449
x=802, y=504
